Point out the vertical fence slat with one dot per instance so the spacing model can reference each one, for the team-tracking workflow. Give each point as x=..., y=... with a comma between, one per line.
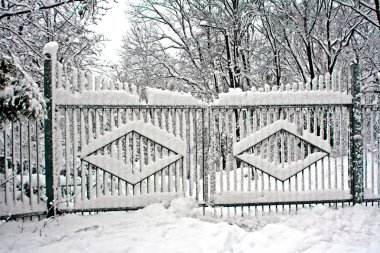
x=229, y=139
x=186, y=158
x=105, y=152
x=295, y=146
x=178, y=164
x=133, y=153
x=196, y=173
x=232, y=129
x=156, y=155
x=119, y=148
x=149, y=154
x=335, y=137
x=315, y=131
x=171, y=185
x=59, y=76
x=205, y=156
x=213, y=154
x=163, y=151
x=82, y=144
x=141, y=159
x=341, y=148
x=270, y=115
x=21, y=162
x=276, y=155
x=7, y=199
x=67, y=150
x=65, y=78
x=90, y=167
x=82, y=83
x=366, y=142
x=75, y=148
x=288, y=147
x=14, y=162
x=38, y=165
x=328, y=135
x=372, y=146
x=308, y=150
x=97, y=135
x=223, y=153
x=243, y=132
x=90, y=82
x=321, y=135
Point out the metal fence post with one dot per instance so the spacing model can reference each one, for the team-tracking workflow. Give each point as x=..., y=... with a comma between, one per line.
x=356, y=140
x=49, y=82
x=206, y=157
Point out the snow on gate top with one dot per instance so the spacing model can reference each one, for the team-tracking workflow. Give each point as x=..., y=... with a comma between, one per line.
x=76, y=87
x=322, y=90
x=166, y=97
x=297, y=94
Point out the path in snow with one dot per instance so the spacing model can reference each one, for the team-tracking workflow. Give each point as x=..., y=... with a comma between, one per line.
x=181, y=228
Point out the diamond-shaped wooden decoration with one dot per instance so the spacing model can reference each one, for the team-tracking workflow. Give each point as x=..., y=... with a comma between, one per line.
x=118, y=167
x=286, y=171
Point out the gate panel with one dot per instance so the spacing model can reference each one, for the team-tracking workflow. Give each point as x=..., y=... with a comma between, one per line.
x=371, y=142
x=129, y=157
x=22, y=170
x=279, y=154
x=271, y=147
x=111, y=151
x=119, y=153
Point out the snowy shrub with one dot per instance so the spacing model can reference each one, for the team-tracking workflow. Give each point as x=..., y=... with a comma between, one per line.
x=20, y=98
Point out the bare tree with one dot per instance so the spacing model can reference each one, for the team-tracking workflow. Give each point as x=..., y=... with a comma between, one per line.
x=26, y=25
x=367, y=9
x=212, y=45
x=204, y=58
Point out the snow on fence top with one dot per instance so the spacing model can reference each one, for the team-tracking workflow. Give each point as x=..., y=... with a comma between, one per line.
x=166, y=97
x=114, y=97
x=79, y=88
x=51, y=48
x=323, y=90
x=76, y=87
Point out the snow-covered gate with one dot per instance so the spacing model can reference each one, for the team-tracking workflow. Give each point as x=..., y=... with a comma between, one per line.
x=22, y=173
x=114, y=152
x=282, y=147
x=371, y=142
x=127, y=157
x=106, y=150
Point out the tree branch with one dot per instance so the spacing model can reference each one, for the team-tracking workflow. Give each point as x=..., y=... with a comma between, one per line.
x=42, y=7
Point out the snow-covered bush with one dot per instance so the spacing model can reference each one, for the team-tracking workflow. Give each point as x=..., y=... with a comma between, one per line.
x=20, y=98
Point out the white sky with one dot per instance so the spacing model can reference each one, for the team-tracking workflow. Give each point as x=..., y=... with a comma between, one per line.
x=113, y=25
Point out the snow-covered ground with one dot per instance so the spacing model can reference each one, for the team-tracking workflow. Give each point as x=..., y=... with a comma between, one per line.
x=180, y=227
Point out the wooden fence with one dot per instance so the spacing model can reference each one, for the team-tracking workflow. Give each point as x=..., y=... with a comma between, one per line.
x=106, y=149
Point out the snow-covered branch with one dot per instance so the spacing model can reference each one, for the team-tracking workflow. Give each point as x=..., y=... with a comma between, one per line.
x=25, y=9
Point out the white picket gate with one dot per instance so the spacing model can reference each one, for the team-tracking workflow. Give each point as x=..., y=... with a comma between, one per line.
x=112, y=151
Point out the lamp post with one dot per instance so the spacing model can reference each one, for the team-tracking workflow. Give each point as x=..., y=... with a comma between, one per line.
x=227, y=40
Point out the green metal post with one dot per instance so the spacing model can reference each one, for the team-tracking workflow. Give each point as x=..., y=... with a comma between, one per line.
x=356, y=140
x=205, y=150
x=378, y=165
x=48, y=72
